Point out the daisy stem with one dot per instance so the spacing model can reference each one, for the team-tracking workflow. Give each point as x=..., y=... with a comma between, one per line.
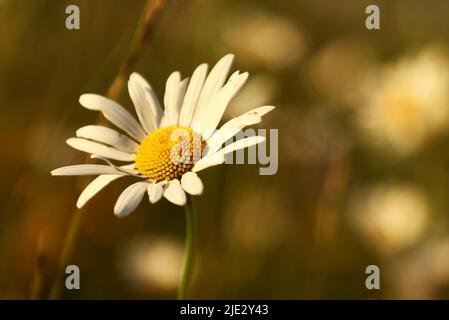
x=190, y=247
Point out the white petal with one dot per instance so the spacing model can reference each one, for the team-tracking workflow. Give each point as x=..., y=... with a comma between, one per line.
x=130, y=198
x=99, y=149
x=213, y=84
x=181, y=94
x=224, y=134
x=233, y=126
x=143, y=98
x=182, y=86
x=211, y=160
x=94, y=187
x=192, y=95
x=114, y=113
x=192, y=184
x=174, y=193
x=260, y=111
x=241, y=144
x=155, y=191
x=214, y=111
x=171, y=99
x=84, y=170
x=128, y=170
x=108, y=136
x=151, y=97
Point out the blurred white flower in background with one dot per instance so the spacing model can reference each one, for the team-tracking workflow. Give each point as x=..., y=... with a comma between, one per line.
x=409, y=104
x=391, y=216
x=265, y=39
x=422, y=273
x=152, y=263
x=337, y=67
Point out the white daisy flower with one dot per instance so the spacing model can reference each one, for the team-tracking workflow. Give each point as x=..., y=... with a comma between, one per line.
x=194, y=107
x=409, y=105
x=391, y=216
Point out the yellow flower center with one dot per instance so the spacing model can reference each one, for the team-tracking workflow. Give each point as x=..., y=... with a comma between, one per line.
x=168, y=153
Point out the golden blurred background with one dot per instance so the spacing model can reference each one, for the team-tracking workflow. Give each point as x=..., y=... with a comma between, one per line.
x=363, y=119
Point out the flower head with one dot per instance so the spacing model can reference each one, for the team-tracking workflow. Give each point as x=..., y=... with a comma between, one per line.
x=391, y=216
x=411, y=103
x=164, y=149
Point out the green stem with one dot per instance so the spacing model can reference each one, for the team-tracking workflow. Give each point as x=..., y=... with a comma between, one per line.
x=149, y=15
x=190, y=246
x=67, y=251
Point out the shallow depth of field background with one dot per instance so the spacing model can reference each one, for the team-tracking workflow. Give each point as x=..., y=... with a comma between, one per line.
x=363, y=119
